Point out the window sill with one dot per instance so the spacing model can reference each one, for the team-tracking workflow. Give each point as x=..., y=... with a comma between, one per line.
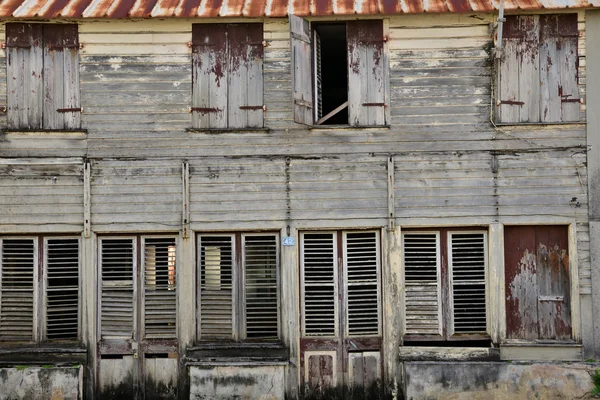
x=541, y=351
x=62, y=133
x=348, y=127
x=422, y=353
x=54, y=354
x=238, y=351
x=517, y=124
x=228, y=130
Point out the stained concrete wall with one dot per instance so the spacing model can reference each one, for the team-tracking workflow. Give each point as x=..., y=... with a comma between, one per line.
x=41, y=383
x=260, y=382
x=497, y=380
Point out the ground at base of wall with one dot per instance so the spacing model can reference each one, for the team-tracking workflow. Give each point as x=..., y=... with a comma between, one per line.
x=498, y=380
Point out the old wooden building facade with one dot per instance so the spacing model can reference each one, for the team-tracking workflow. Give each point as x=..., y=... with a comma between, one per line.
x=259, y=199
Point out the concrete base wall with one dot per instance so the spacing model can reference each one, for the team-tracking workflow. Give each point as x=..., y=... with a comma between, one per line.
x=41, y=383
x=497, y=380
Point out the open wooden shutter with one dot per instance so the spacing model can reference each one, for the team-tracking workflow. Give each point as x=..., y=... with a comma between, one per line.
x=422, y=283
x=210, y=76
x=319, y=284
x=25, y=85
x=217, y=260
x=318, y=77
x=467, y=263
x=366, y=73
x=18, y=276
x=261, y=286
x=61, y=288
x=301, y=70
x=160, y=295
x=117, y=291
x=245, y=72
x=361, y=270
x=62, y=109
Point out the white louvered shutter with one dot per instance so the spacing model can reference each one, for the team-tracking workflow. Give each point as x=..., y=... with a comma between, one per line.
x=261, y=287
x=160, y=297
x=117, y=269
x=319, y=277
x=422, y=283
x=361, y=270
x=61, y=260
x=467, y=273
x=217, y=260
x=18, y=274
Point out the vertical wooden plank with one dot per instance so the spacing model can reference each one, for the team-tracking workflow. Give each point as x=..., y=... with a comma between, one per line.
x=54, y=72
x=391, y=195
x=300, y=44
x=237, y=75
x=71, y=97
x=550, y=42
x=521, y=282
x=496, y=304
x=528, y=64
x=574, y=282
x=24, y=76
x=393, y=305
x=210, y=79
x=568, y=64
x=366, y=89
x=508, y=87
x=320, y=369
x=87, y=200
x=254, y=64
x=185, y=209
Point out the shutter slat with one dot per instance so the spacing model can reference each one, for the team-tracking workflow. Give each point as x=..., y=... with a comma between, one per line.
x=62, y=288
x=261, y=288
x=160, y=295
x=421, y=268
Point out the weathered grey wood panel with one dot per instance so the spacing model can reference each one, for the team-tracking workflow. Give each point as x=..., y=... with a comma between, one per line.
x=136, y=195
x=41, y=195
x=301, y=67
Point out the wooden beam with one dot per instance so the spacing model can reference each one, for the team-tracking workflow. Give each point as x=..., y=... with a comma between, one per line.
x=331, y=114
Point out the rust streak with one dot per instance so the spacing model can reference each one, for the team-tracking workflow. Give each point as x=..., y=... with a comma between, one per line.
x=143, y=9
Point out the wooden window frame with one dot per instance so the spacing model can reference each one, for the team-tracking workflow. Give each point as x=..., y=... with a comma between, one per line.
x=40, y=287
x=239, y=288
x=445, y=286
x=515, y=50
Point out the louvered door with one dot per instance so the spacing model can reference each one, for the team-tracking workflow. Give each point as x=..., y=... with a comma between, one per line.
x=341, y=323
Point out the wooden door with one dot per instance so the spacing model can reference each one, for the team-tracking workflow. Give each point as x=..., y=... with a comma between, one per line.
x=341, y=327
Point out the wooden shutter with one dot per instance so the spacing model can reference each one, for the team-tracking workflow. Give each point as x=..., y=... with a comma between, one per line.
x=467, y=270
x=318, y=77
x=61, y=77
x=61, y=271
x=117, y=290
x=24, y=75
x=245, y=73
x=301, y=70
x=558, y=68
x=217, y=260
x=361, y=270
x=366, y=73
x=319, y=284
x=160, y=295
x=210, y=76
x=18, y=276
x=261, y=286
x=422, y=283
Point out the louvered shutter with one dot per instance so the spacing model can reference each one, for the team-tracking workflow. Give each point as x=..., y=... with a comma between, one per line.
x=61, y=77
x=301, y=70
x=217, y=260
x=61, y=261
x=366, y=73
x=18, y=275
x=160, y=296
x=261, y=286
x=318, y=77
x=422, y=283
x=25, y=85
x=467, y=263
x=319, y=289
x=118, y=283
x=361, y=269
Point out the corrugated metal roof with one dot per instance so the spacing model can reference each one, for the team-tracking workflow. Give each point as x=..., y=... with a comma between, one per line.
x=263, y=8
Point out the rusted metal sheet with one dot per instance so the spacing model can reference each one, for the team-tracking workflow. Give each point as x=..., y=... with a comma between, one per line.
x=262, y=8
x=537, y=283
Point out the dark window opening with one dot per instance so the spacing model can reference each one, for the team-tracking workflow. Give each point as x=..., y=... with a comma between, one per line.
x=331, y=74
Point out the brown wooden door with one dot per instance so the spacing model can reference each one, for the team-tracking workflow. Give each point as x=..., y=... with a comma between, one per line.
x=538, y=294
x=341, y=326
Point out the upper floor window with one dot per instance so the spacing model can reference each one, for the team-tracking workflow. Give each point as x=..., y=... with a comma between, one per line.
x=227, y=83
x=339, y=74
x=42, y=76
x=445, y=275
x=238, y=286
x=538, y=71
x=39, y=295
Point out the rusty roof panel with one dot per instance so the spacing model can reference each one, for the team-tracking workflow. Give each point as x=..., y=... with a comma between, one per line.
x=263, y=8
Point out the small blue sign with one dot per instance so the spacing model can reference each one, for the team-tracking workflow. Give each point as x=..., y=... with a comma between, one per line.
x=289, y=241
